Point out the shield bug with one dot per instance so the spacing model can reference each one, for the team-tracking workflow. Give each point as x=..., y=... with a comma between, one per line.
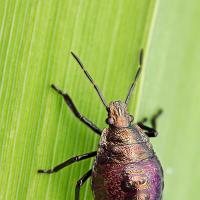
x=126, y=166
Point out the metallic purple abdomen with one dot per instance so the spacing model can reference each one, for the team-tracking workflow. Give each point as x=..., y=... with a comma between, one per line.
x=126, y=167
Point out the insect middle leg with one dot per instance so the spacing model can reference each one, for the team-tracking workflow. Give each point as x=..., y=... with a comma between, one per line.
x=151, y=132
x=73, y=108
x=80, y=182
x=68, y=162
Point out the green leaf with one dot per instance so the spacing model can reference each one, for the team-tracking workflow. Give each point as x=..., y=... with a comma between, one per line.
x=171, y=81
x=38, y=130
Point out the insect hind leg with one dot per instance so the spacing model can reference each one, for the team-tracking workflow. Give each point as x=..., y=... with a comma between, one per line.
x=80, y=182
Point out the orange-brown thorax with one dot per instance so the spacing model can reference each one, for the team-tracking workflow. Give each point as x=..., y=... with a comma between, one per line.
x=123, y=145
x=118, y=115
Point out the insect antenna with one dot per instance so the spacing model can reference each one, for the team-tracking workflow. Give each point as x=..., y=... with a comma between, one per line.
x=90, y=79
x=136, y=77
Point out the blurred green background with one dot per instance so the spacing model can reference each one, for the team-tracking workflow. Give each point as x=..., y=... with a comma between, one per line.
x=37, y=130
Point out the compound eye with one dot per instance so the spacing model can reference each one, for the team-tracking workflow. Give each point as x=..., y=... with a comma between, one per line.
x=110, y=121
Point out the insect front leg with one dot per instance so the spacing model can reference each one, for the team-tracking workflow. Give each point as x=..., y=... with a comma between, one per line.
x=68, y=162
x=151, y=132
x=80, y=182
x=73, y=108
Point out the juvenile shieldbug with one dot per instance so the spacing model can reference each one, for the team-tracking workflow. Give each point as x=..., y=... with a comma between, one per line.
x=126, y=166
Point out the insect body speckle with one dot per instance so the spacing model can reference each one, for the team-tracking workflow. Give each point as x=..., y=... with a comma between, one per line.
x=126, y=166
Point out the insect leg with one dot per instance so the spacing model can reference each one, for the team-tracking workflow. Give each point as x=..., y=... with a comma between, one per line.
x=155, y=117
x=68, y=162
x=80, y=182
x=151, y=132
x=73, y=108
